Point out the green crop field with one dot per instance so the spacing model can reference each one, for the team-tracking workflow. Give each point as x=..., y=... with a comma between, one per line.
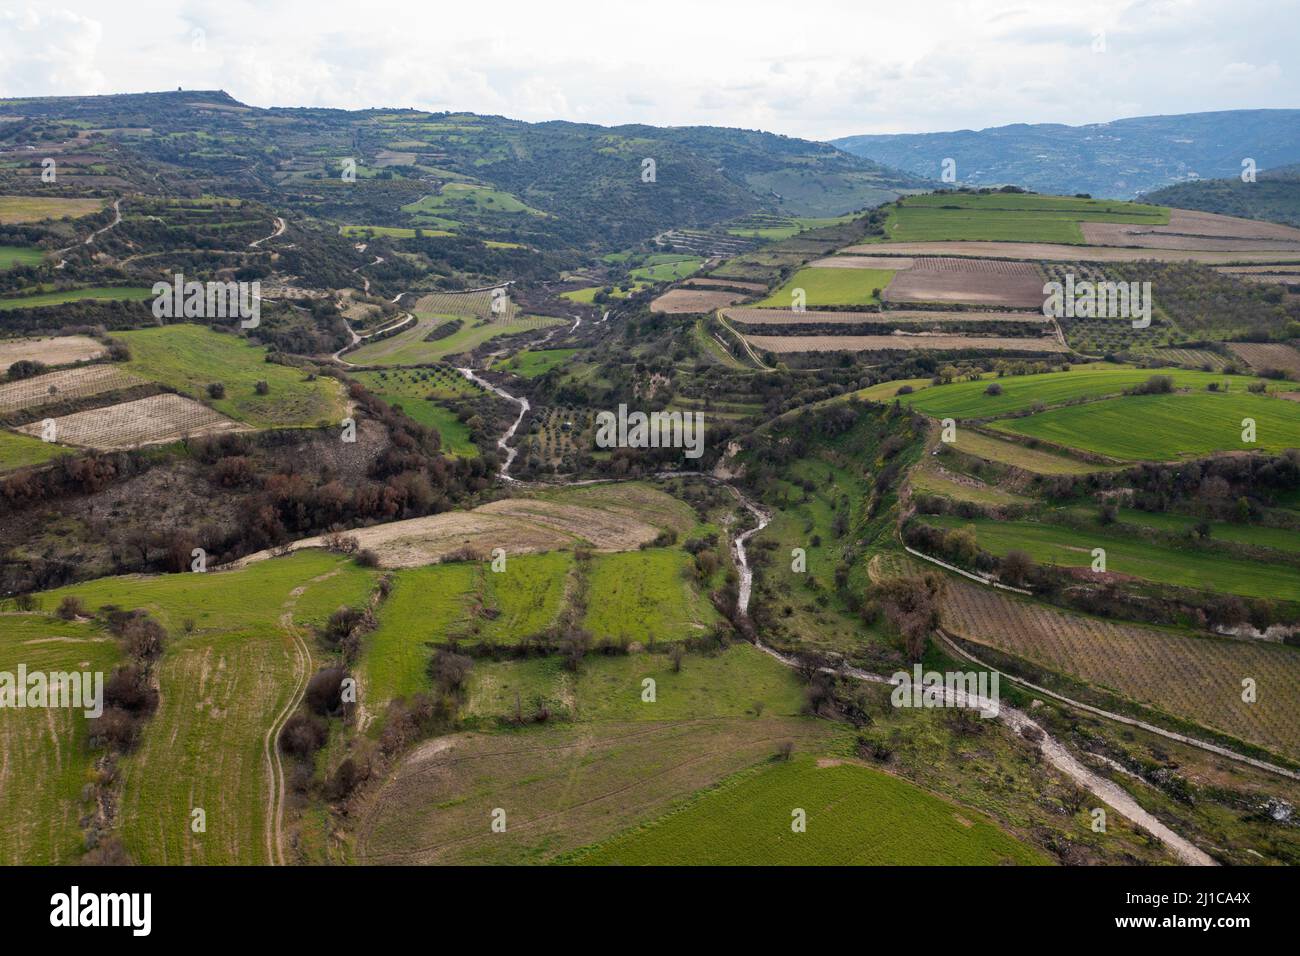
x=1166, y=427
x=20, y=256
x=533, y=363
x=525, y=598
x=1133, y=556
x=644, y=596
x=189, y=357
x=1022, y=392
x=830, y=287
x=456, y=198
x=98, y=293
x=855, y=816
x=393, y=232
x=46, y=762
x=1009, y=217
x=19, y=451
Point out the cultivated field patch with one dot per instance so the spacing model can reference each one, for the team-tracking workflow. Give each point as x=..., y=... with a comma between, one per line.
x=1261, y=355
x=753, y=316
x=783, y=344
x=1195, y=678
x=64, y=384
x=56, y=350
x=683, y=301
x=146, y=421
x=14, y=209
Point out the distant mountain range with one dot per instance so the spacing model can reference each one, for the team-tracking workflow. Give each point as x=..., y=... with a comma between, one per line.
x=1121, y=159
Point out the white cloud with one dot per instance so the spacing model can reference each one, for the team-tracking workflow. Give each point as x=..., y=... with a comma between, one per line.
x=822, y=68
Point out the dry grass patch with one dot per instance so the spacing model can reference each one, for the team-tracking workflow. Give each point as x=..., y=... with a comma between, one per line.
x=56, y=350
x=147, y=421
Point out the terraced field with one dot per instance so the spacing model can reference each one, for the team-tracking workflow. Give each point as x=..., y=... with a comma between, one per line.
x=830, y=287
x=62, y=385
x=1166, y=427
x=98, y=293
x=962, y=400
x=53, y=350
x=145, y=421
x=1198, y=679
x=1134, y=557
x=1010, y=217
x=15, y=209
x=644, y=597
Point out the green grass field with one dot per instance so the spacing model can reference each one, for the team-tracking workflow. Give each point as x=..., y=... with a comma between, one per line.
x=1037, y=460
x=1166, y=427
x=1022, y=392
x=407, y=389
x=643, y=596
x=410, y=348
x=830, y=287
x=738, y=682
x=189, y=357
x=11, y=256
x=20, y=451
x=1281, y=539
x=855, y=816
x=1009, y=217
x=1133, y=556
x=98, y=293
x=533, y=363
x=426, y=606
x=525, y=598
x=46, y=763
x=665, y=268
x=227, y=671
x=393, y=232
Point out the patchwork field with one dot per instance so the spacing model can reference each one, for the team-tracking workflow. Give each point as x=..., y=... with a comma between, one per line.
x=11, y=256
x=1188, y=229
x=1268, y=356
x=987, y=288
x=1131, y=556
x=609, y=518
x=1022, y=392
x=22, y=451
x=145, y=421
x=188, y=358
x=687, y=301
x=424, y=342
x=1061, y=251
x=99, y=293
x=1194, y=678
x=646, y=596
x=755, y=316
x=855, y=816
x=46, y=762
x=1015, y=217
x=1165, y=427
x=783, y=344
x=15, y=209
x=56, y=350
x=67, y=383
x=830, y=287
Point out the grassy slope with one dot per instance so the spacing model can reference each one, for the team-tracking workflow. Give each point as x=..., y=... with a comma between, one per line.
x=189, y=357
x=643, y=596
x=1166, y=427
x=1166, y=564
x=111, y=293
x=19, y=451
x=1021, y=392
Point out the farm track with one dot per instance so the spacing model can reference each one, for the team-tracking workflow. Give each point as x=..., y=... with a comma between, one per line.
x=280, y=226
x=271, y=742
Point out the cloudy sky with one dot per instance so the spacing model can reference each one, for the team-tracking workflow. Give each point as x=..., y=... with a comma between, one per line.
x=812, y=68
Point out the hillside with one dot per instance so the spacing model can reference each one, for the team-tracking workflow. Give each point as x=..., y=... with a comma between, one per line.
x=553, y=185
x=1274, y=196
x=1120, y=159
